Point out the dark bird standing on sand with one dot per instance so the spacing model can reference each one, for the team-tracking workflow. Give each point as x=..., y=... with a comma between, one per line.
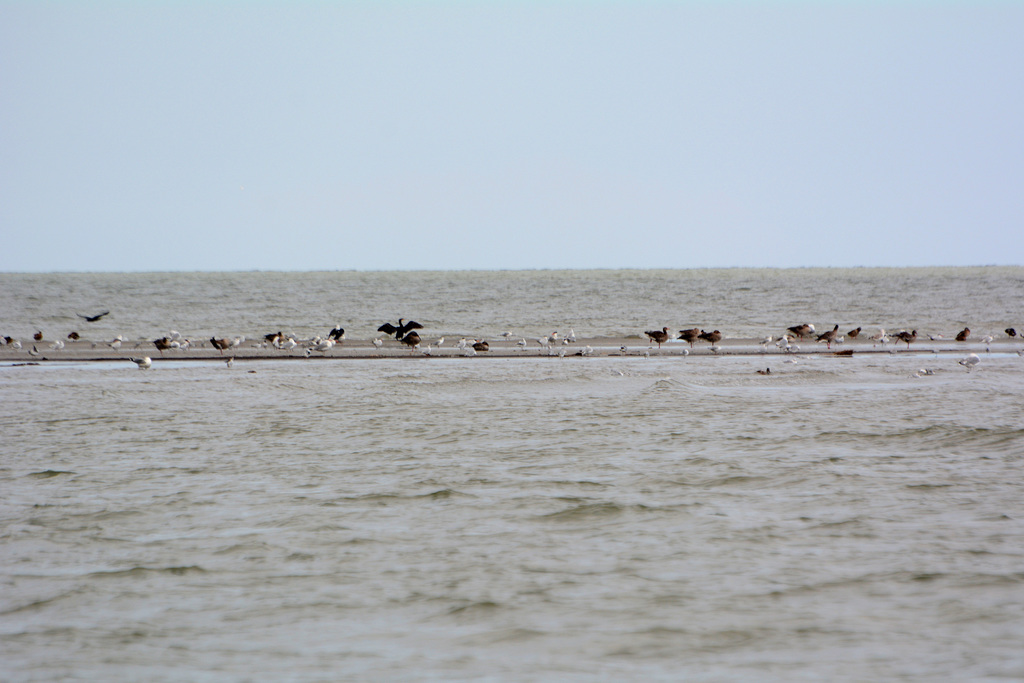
x=802, y=330
x=1010, y=332
x=480, y=345
x=964, y=334
x=829, y=337
x=93, y=318
x=690, y=335
x=853, y=334
x=713, y=337
x=412, y=339
x=162, y=344
x=658, y=336
x=274, y=337
x=38, y=336
x=402, y=330
x=74, y=336
x=766, y=371
x=907, y=337
x=219, y=344
x=337, y=334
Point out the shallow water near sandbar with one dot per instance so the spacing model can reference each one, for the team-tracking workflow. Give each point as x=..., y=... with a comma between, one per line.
x=608, y=518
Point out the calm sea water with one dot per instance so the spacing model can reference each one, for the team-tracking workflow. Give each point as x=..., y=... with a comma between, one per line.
x=515, y=519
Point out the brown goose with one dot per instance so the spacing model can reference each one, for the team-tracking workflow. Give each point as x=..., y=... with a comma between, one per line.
x=713, y=337
x=853, y=334
x=802, y=330
x=907, y=337
x=412, y=340
x=690, y=335
x=219, y=344
x=658, y=336
x=162, y=344
x=480, y=345
x=829, y=337
x=964, y=334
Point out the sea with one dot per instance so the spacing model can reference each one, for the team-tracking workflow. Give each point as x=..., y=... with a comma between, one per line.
x=608, y=518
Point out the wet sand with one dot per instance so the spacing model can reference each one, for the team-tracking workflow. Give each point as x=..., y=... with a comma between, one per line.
x=85, y=350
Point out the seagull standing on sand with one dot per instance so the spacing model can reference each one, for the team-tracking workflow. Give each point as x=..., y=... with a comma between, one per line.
x=986, y=340
x=970, y=361
x=378, y=343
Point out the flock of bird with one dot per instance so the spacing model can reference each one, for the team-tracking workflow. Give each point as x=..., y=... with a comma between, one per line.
x=405, y=332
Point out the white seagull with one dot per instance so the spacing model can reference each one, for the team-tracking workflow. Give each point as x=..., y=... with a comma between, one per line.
x=970, y=361
x=143, y=362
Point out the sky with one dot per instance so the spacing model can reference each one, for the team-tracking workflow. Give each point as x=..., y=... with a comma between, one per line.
x=179, y=136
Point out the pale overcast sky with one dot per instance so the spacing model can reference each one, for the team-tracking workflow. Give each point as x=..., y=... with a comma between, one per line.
x=502, y=135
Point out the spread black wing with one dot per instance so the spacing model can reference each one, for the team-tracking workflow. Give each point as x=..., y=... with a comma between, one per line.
x=387, y=328
x=93, y=318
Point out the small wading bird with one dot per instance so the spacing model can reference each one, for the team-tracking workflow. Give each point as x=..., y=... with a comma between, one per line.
x=658, y=336
x=829, y=337
x=907, y=337
x=401, y=330
x=964, y=334
x=93, y=318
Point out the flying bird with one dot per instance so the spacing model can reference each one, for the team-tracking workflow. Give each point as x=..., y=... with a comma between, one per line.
x=93, y=318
